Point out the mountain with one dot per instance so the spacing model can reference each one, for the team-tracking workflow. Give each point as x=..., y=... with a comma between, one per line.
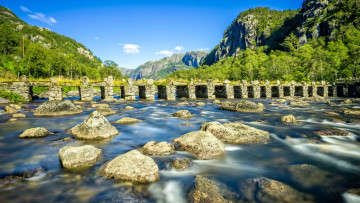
x=319, y=41
x=39, y=52
x=162, y=68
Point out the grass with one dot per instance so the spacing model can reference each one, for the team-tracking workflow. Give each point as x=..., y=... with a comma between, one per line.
x=11, y=96
x=37, y=90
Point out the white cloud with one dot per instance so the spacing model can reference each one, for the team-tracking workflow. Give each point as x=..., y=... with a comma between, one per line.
x=96, y=38
x=131, y=48
x=43, y=18
x=24, y=9
x=179, y=48
x=164, y=52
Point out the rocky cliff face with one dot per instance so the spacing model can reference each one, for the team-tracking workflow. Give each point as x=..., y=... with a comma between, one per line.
x=250, y=29
x=161, y=68
x=262, y=26
x=194, y=58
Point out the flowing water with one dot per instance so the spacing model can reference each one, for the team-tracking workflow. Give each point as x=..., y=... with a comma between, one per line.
x=337, y=158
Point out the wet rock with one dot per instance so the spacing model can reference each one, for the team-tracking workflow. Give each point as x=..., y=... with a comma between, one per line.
x=216, y=101
x=354, y=121
x=332, y=113
x=57, y=108
x=288, y=119
x=200, y=104
x=96, y=105
x=66, y=139
x=121, y=101
x=121, y=195
x=74, y=157
x=345, y=101
x=316, y=99
x=268, y=190
x=9, y=109
x=185, y=103
x=235, y=132
x=182, y=114
x=281, y=100
x=181, y=164
x=353, y=112
x=332, y=132
x=35, y=132
x=12, y=119
x=21, y=174
x=202, y=144
x=354, y=191
x=298, y=103
x=15, y=106
x=19, y=115
x=127, y=120
x=4, y=101
x=157, y=149
x=205, y=191
x=261, y=105
x=105, y=111
x=132, y=166
x=128, y=108
x=96, y=126
x=338, y=121
x=309, y=176
x=241, y=106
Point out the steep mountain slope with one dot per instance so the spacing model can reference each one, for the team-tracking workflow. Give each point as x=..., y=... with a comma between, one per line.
x=320, y=41
x=39, y=52
x=162, y=68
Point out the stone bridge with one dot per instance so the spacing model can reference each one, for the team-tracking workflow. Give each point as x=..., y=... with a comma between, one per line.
x=170, y=90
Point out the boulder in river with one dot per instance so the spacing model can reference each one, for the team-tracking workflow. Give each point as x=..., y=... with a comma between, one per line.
x=316, y=99
x=35, y=132
x=21, y=174
x=235, y=132
x=288, y=119
x=298, y=103
x=332, y=132
x=19, y=115
x=268, y=190
x=132, y=166
x=181, y=164
x=350, y=111
x=127, y=120
x=9, y=109
x=216, y=101
x=57, y=108
x=205, y=191
x=128, y=108
x=241, y=106
x=202, y=144
x=96, y=126
x=200, y=104
x=182, y=114
x=74, y=157
x=15, y=106
x=157, y=148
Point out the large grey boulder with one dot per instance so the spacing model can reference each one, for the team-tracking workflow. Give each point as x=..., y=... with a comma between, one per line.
x=288, y=119
x=132, y=166
x=241, y=106
x=57, y=108
x=74, y=157
x=157, y=149
x=235, y=132
x=202, y=144
x=96, y=126
x=35, y=132
x=268, y=190
x=205, y=191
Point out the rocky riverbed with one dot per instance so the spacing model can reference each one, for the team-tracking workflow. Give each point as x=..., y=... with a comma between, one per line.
x=157, y=152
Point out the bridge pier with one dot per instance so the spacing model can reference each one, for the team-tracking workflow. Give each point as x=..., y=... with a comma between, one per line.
x=229, y=90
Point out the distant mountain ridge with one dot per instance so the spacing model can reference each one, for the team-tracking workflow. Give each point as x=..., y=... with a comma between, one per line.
x=162, y=68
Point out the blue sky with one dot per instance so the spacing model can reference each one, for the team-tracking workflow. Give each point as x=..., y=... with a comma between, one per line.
x=131, y=32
